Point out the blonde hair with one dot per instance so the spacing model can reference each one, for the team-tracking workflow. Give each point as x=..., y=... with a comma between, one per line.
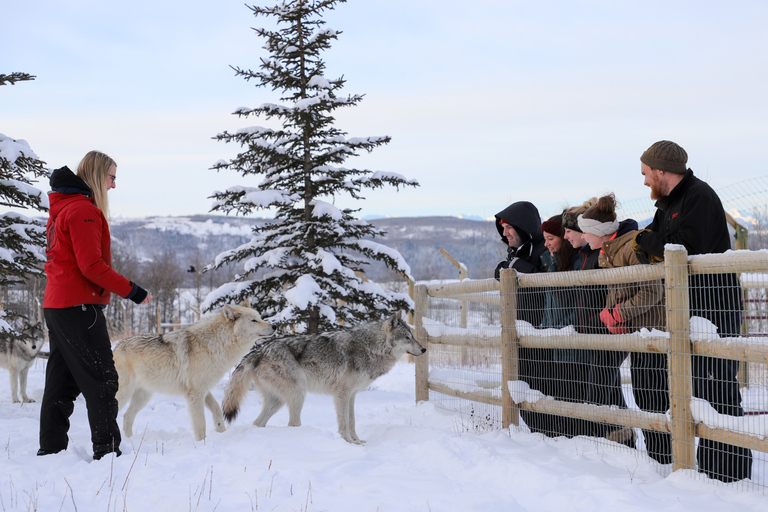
x=586, y=205
x=94, y=171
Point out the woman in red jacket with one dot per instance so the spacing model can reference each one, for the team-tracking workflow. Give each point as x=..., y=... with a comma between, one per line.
x=80, y=279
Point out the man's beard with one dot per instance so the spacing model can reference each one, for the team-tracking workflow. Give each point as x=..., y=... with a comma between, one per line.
x=657, y=191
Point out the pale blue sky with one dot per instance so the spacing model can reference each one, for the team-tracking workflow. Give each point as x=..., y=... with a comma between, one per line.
x=487, y=102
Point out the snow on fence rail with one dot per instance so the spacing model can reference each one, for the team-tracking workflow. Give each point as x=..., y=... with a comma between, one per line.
x=688, y=417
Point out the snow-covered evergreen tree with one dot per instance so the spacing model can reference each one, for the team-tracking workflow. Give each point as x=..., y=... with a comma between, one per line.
x=304, y=268
x=22, y=238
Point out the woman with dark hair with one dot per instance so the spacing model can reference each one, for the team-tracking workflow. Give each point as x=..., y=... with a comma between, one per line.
x=568, y=379
x=80, y=281
x=629, y=307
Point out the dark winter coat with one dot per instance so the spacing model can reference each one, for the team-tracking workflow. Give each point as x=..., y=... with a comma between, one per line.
x=559, y=303
x=560, y=307
x=79, y=259
x=524, y=217
x=693, y=216
x=535, y=364
x=525, y=259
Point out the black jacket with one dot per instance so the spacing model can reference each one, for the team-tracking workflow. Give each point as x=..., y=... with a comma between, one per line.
x=525, y=259
x=691, y=215
x=525, y=218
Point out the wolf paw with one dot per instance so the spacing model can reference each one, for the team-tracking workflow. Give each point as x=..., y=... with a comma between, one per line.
x=220, y=427
x=28, y=400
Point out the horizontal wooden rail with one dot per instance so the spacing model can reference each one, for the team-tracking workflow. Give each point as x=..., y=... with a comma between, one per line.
x=727, y=348
x=482, y=298
x=728, y=262
x=451, y=290
x=598, y=342
x=634, y=274
x=608, y=415
x=481, y=396
x=731, y=437
x=600, y=414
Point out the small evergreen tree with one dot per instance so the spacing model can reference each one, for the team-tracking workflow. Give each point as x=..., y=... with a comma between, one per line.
x=306, y=266
x=22, y=239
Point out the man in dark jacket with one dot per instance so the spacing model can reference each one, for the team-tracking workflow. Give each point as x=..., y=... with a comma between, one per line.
x=519, y=226
x=690, y=213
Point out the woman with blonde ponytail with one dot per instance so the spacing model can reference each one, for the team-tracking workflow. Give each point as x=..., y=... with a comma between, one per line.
x=99, y=172
x=80, y=281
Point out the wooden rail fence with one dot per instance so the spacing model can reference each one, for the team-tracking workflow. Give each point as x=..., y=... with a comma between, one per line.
x=678, y=346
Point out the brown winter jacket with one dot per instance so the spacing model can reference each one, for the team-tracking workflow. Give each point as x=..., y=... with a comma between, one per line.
x=640, y=304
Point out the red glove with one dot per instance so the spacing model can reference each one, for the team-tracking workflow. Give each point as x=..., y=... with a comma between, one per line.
x=614, y=321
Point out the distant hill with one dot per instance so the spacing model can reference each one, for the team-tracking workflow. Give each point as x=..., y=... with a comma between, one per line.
x=197, y=240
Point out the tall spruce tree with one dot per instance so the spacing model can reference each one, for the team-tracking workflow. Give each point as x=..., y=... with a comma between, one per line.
x=22, y=239
x=304, y=268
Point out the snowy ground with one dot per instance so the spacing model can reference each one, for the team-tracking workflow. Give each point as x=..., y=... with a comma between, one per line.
x=417, y=458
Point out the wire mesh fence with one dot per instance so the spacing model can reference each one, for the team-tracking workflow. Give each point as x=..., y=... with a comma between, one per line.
x=680, y=377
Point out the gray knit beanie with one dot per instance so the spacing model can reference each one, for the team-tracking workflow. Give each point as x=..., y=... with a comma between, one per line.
x=666, y=156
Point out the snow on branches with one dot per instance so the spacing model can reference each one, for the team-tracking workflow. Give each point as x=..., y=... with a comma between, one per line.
x=305, y=268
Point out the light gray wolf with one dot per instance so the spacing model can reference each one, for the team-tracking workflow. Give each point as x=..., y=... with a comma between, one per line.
x=188, y=362
x=17, y=355
x=338, y=363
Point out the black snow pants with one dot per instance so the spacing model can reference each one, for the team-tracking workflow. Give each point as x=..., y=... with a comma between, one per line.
x=650, y=387
x=717, y=297
x=80, y=362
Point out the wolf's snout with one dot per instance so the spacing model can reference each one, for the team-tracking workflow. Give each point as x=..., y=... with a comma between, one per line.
x=418, y=351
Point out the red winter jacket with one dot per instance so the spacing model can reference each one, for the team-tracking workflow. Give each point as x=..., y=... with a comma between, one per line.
x=79, y=266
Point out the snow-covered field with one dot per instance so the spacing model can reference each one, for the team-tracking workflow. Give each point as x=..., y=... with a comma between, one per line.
x=417, y=458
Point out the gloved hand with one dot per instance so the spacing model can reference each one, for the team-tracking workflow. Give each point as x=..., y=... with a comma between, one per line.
x=642, y=255
x=501, y=265
x=614, y=321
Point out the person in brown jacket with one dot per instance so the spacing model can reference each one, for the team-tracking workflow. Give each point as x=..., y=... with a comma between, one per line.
x=630, y=307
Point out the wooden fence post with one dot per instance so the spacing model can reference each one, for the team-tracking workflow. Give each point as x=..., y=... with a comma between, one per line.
x=510, y=413
x=422, y=362
x=741, y=241
x=462, y=304
x=679, y=357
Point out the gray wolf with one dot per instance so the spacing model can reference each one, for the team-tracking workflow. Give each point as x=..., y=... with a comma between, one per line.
x=188, y=362
x=17, y=355
x=338, y=363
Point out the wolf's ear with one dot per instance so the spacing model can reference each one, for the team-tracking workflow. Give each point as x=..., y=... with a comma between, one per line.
x=230, y=313
x=392, y=321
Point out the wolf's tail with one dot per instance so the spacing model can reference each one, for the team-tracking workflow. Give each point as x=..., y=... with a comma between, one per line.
x=236, y=389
